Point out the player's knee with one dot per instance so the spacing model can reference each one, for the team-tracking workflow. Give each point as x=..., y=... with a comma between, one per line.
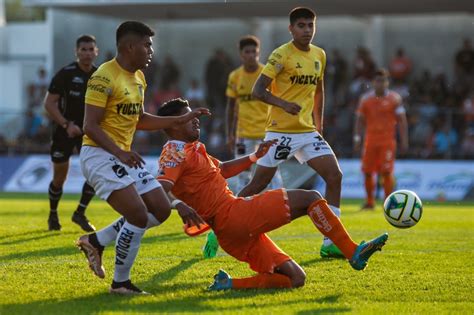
x=138, y=218
x=298, y=279
x=162, y=213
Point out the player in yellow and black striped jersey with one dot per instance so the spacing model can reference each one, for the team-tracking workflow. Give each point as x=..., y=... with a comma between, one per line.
x=295, y=74
x=246, y=116
x=114, y=110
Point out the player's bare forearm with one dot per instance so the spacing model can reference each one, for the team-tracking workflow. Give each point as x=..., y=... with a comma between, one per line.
x=403, y=131
x=231, y=117
x=51, y=107
x=236, y=166
x=261, y=93
x=318, y=109
x=92, y=118
x=148, y=121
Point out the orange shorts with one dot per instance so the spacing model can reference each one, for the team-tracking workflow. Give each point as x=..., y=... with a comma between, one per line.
x=240, y=228
x=379, y=158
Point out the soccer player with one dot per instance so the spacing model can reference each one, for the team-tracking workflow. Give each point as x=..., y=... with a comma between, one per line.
x=246, y=116
x=294, y=74
x=114, y=110
x=64, y=103
x=198, y=180
x=379, y=112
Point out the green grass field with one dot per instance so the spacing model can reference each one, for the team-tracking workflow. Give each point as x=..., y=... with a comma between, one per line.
x=425, y=269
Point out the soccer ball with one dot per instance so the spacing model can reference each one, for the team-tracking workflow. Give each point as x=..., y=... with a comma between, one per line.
x=403, y=209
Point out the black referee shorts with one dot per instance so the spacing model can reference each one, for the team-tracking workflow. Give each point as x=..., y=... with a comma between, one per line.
x=62, y=147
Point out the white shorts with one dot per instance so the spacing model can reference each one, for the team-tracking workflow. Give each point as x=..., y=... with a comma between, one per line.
x=106, y=173
x=245, y=146
x=303, y=146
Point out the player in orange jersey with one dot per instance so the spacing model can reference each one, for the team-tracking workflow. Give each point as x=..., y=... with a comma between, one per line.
x=379, y=112
x=240, y=224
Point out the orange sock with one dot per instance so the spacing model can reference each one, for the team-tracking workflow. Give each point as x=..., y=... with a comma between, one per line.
x=388, y=183
x=262, y=281
x=330, y=225
x=369, y=189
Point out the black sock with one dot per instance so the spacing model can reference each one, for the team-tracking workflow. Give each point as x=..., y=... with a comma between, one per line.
x=87, y=194
x=54, y=194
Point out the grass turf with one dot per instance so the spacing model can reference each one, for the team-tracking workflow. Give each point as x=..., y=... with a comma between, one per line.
x=425, y=269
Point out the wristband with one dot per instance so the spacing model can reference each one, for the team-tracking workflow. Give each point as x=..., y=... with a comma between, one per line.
x=175, y=202
x=253, y=157
x=356, y=138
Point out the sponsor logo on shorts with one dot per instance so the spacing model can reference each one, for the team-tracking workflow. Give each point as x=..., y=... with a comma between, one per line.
x=282, y=152
x=119, y=170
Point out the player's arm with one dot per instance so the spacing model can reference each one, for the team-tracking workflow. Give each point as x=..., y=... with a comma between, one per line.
x=187, y=214
x=92, y=118
x=359, y=127
x=260, y=91
x=51, y=105
x=402, y=128
x=231, y=117
x=236, y=166
x=318, y=108
x=148, y=121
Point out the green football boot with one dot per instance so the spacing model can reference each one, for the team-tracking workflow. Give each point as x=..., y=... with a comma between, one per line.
x=363, y=252
x=211, y=247
x=330, y=251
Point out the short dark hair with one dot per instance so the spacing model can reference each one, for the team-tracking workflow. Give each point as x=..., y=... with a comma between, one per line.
x=248, y=40
x=301, y=12
x=85, y=39
x=133, y=27
x=173, y=107
x=382, y=72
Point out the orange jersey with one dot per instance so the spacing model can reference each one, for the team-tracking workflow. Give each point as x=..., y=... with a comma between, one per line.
x=380, y=115
x=196, y=177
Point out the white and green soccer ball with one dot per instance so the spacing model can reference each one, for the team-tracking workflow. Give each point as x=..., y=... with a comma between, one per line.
x=403, y=208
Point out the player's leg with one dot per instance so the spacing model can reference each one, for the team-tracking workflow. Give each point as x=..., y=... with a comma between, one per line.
x=87, y=194
x=128, y=203
x=317, y=153
x=304, y=202
x=369, y=167
x=55, y=192
x=389, y=152
x=262, y=255
x=267, y=165
x=260, y=180
x=79, y=216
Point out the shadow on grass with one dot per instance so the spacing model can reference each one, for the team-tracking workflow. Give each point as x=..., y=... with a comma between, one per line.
x=248, y=300
x=164, y=237
x=49, y=252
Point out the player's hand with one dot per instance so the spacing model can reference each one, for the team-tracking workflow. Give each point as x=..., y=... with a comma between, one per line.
x=195, y=113
x=292, y=108
x=189, y=215
x=264, y=147
x=73, y=130
x=131, y=159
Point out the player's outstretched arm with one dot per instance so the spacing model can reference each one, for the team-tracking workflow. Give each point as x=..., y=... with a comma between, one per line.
x=148, y=121
x=318, y=108
x=236, y=166
x=187, y=214
x=260, y=91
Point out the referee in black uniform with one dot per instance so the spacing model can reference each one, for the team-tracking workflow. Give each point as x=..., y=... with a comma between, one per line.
x=64, y=103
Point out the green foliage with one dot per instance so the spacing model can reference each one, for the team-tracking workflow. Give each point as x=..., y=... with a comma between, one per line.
x=425, y=269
